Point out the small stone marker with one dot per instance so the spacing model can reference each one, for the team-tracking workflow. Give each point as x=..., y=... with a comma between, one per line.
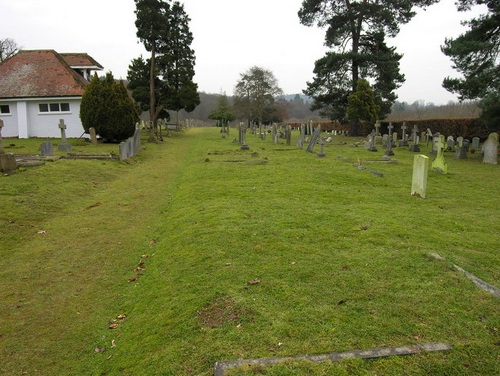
x=390, y=141
x=460, y=141
x=475, y=143
x=93, y=136
x=450, y=142
x=321, y=153
x=462, y=150
x=7, y=160
x=439, y=164
x=63, y=146
x=490, y=149
x=420, y=173
x=243, y=135
x=46, y=149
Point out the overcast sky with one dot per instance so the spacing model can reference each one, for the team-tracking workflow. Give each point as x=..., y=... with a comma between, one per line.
x=230, y=36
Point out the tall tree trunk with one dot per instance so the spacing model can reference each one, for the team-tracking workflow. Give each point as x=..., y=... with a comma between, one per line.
x=153, y=117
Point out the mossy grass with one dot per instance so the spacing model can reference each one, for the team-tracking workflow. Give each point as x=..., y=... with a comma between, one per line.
x=213, y=253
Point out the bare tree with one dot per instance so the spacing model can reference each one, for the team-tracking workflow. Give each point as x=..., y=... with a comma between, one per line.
x=8, y=47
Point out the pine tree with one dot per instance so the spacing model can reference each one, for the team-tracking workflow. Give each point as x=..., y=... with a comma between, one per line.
x=356, y=32
x=361, y=104
x=476, y=55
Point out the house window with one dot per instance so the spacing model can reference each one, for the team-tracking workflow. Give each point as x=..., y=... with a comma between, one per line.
x=4, y=109
x=53, y=107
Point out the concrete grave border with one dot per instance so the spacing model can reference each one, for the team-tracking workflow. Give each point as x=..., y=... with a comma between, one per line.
x=382, y=352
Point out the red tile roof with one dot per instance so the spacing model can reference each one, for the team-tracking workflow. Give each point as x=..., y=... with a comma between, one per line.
x=41, y=73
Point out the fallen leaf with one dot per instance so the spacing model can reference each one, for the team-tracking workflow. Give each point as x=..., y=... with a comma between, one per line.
x=256, y=281
x=340, y=302
x=42, y=232
x=113, y=326
x=121, y=317
x=144, y=256
x=113, y=343
x=99, y=349
x=132, y=279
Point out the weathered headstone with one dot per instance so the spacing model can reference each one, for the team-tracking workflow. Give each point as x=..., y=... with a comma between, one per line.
x=450, y=144
x=7, y=160
x=415, y=147
x=475, y=143
x=321, y=153
x=274, y=133
x=490, y=149
x=93, y=136
x=460, y=140
x=243, y=137
x=46, y=149
x=462, y=150
x=372, y=147
x=314, y=139
x=390, y=140
x=300, y=141
x=420, y=173
x=435, y=140
x=63, y=146
x=428, y=136
x=439, y=164
x=288, y=130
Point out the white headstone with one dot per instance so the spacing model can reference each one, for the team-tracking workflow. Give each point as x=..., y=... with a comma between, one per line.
x=420, y=173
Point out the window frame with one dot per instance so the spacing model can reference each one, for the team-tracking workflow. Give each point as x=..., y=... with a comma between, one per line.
x=45, y=108
x=2, y=107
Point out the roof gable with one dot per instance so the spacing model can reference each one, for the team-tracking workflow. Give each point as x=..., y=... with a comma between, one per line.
x=81, y=60
x=40, y=73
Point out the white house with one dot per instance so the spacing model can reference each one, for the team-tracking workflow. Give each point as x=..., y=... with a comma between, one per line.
x=39, y=87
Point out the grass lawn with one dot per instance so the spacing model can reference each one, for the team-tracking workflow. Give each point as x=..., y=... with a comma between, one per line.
x=196, y=252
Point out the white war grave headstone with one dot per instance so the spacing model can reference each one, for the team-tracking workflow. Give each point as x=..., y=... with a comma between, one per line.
x=420, y=173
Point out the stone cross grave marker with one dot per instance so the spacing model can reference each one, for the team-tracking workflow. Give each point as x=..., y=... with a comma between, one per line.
x=321, y=152
x=439, y=164
x=243, y=137
x=420, y=173
x=377, y=128
x=389, y=151
x=403, y=141
x=314, y=139
x=415, y=147
x=490, y=149
x=63, y=146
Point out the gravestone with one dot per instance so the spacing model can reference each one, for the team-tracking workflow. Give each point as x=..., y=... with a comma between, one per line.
x=460, y=141
x=404, y=140
x=274, y=133
x=439, y=164
x=314, y=139
x=321, y=153
x=288, y=130
x=450, y=142
x=93, y=136
x=372, y=147
x=390, y=140
x=490, y=149
x=428, y=136
x=63, y=146
x=300, y=141
x=385, y=140
x=420, y=173
x=46, y=149
x=243, y=137
x=7, y=160
x=415, y=147
x=378, y=136
x=462, y=150
x=435, y=140
x=475, y=144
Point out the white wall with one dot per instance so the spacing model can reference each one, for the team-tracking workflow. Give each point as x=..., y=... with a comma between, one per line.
x=25, y=119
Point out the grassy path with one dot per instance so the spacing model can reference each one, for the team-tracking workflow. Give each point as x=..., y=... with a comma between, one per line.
x=233, y=255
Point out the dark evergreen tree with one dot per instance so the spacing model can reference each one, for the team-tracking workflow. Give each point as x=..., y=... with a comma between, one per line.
x=361, y=104
x=222, y=113
x=163, y=27
x=107, y=107
x=475, y=54
x=356, y=32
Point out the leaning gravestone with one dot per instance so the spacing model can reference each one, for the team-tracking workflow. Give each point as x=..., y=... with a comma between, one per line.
x=46, y=149
x=314, y=139
x=490, y=149
x=420, y=173
x=63, y=146
x=7, y=160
